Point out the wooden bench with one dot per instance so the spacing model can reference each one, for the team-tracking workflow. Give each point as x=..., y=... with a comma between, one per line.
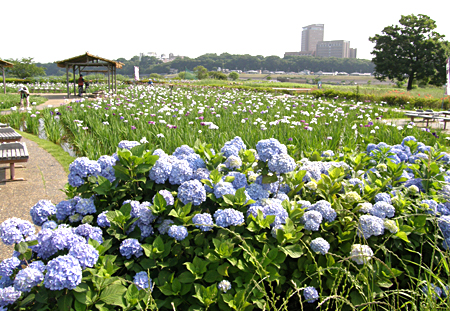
x=12, y=153
x=3, y=125
x=8, y=135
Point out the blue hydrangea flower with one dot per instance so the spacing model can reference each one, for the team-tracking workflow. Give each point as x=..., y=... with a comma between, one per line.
x=240, y=180
x=90, y=232
x=66, y=237
x=320, y=245
x=432, y=206
x=181, y=172
x=282, y=163
x=8, y=295
x=408, y=138
x=130, y=247
x=273, y=207
x=384, y=197
x=160, y=172
x=38, y=265
x=233, y=162
x=41, y=211
x=325, y=209
x=106, y=166
x=257, y=192
x=184, y=150
x=443, y=208
x=65, y=209
x=228, y=217
x=86, y=254
x=128, y=144
x=159, y=152
x=311, y=295
x=49, y=225
x=327, y=154
x=382, y=209
x=370, y=225
x=416, y=182
x=5, y=282
x=304, y=204
x=45, y=247
x=167, y=195
x=194, y=160
x=164, y=226
x=267, y=148
x=85, y=206
x=435, y=291
x=444, y=225
x=179, y=233
x=229, y=150
x=281, y=196
x=102, y=220
x=203, y=221
x=272, y=187
x=224, y=286
x=63, y=272
x=81, y=168
x=28, y=278
x=361, y=254
x=13, y=230
x=222, y=188
x=192, y=191
x=142, y=280
x=273, y=232
x=8, y=265
x=233, y=147
x=312, y=220
x=141, y=211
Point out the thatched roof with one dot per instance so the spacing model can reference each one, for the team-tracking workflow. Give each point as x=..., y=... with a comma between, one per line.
x=4, y=63
x=93, y=60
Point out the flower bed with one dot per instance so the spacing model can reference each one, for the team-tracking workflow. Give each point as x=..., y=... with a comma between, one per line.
x=240, y=229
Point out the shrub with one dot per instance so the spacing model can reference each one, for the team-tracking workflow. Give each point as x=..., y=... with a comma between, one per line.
x=131, y=242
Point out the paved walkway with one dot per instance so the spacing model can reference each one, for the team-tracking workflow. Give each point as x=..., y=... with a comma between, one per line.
x=44, y=179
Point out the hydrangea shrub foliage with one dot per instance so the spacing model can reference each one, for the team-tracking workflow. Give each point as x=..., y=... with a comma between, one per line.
x=243, y=229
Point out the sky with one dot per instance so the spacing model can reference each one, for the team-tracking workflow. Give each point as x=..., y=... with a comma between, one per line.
x=54, y=30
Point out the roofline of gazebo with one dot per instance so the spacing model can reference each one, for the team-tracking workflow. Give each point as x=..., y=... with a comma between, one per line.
x=4, y=64
x=72, y=61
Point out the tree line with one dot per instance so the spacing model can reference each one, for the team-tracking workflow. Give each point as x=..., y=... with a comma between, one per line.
x=212, y=62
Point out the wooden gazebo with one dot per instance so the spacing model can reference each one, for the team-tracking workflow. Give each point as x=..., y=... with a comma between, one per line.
x=3, y=65
x=87, y=60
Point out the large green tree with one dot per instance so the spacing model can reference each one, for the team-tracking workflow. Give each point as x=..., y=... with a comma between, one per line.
x=25, y=68
x=411, y=50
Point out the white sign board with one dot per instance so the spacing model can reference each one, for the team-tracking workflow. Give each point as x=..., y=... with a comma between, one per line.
x=136, y=73
x=447, y=89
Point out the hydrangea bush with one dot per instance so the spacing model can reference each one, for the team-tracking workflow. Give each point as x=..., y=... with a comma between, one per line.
x=241, y=229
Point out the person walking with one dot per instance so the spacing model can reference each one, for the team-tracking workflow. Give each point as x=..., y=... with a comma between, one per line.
x=80, y=85
x=24, y=94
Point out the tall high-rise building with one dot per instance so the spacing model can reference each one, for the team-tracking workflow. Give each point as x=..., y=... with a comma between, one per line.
x=311, y=35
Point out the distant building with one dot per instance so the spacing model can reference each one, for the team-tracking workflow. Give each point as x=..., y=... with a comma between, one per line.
x=352, y=53
x=311, y=35
x=303, y=53
x=336, y=48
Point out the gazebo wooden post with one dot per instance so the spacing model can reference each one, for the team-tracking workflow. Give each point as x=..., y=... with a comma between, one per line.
x=74, y=88
x=4, y=83
x=109, y=84
x=115, y=80
x=67, y=80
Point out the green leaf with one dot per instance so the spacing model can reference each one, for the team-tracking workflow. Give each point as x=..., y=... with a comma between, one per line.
x=104, y=186
x=176, y=286
x=158, y=245
x=113, y=294
x=79, y=306
x=166, y=289
x=294, y=251
x=65, y=302
x=21, y=247
x=402, y=235
x=138, y=151
x=147, y=249
x=215, y=176
x=228, y=198
x=126, y=209
x=268, y=179
x=186, y=277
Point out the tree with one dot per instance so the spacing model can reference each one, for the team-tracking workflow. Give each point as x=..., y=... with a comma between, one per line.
x=201, y=72
x=233, y=76
x=217, y=75
x=412, y=51
x=25, y=68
